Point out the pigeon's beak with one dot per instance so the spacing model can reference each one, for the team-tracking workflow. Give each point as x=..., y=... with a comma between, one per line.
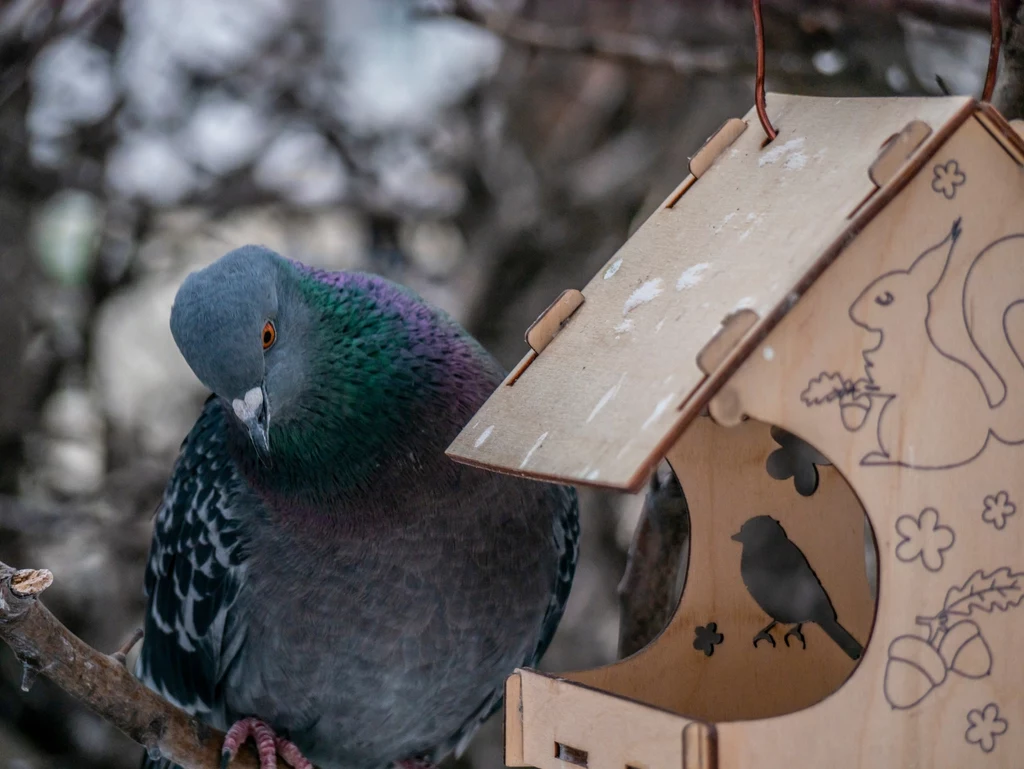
x=736, y=537
x=259, y=432
x=253, y=410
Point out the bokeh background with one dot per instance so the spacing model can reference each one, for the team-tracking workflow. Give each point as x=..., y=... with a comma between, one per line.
x=140, y=140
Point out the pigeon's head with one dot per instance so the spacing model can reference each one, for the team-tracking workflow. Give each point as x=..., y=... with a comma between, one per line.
x=238, y=324
x=760, y=529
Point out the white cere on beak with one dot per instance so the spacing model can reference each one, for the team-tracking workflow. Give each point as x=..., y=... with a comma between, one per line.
x=248, y=406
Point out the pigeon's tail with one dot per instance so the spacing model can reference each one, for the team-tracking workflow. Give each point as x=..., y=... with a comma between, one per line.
x=846, y=641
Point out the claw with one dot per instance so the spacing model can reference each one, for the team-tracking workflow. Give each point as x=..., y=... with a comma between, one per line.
x=795, y=631
x=764, y=635
x=268, y=745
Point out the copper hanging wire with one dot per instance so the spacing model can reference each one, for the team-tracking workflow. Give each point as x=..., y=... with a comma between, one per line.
x=762, y=112
x=993, y=52
x=996, y=31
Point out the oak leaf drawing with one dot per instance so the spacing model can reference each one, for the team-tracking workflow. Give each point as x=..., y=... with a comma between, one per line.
x=1001, y=589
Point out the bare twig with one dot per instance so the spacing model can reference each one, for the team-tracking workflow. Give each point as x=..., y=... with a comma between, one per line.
x=966, y=14
x=102, y=683
x=1009, y=97
x=647, y=51
x=17, y=75
x=624, y=48
x=121, y=655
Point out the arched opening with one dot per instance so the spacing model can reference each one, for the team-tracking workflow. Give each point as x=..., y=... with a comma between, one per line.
x=779, y=581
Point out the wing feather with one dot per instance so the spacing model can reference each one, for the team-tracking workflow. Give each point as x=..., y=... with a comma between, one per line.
x=196, y=565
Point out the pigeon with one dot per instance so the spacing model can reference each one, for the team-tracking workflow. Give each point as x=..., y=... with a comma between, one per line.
x=322, y=578
x=655, y=573
x=779, y=578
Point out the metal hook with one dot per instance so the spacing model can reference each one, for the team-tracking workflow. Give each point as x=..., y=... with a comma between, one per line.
x=762, y=112
x=993, y=52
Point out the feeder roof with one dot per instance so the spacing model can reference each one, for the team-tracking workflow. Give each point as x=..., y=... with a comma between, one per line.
x=605, y=399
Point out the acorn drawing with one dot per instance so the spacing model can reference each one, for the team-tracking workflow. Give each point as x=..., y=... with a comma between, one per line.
x=853, y=409
x=913, y=670
x=915, y=666
x=965, y=650
x=854, y=399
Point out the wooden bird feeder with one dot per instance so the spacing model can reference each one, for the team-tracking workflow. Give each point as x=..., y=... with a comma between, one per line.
x=815, y=329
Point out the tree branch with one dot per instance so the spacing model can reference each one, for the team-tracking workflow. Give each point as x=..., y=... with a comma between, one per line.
x=623, y=48
x=101, y=682
x=968, y=14
x=1009, y=95
x=646, y=51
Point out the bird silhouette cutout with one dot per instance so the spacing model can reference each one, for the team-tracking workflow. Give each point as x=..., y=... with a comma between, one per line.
x=780, y=579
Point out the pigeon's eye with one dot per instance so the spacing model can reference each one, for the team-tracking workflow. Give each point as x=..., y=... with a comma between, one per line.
x=269, y=335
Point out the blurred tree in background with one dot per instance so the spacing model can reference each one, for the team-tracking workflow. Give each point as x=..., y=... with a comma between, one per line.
x=140, y=140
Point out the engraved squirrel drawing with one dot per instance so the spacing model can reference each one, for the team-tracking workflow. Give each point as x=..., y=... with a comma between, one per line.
x=936, y=409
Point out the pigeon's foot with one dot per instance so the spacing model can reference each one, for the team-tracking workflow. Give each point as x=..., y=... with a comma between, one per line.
x=795, y=632
x=268, y=745
x=765, y=635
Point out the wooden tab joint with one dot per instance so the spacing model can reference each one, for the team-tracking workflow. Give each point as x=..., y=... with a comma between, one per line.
x=543, y=330
x=513, y=723
x=700, y=746
x=714, y=146
x=897, y=150
x=725, y=407
x=735, y=326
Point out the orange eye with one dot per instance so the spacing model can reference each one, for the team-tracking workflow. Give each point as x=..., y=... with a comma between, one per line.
x=269, y=335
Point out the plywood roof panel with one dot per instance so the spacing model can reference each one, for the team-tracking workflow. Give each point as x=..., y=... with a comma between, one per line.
x=599, y=402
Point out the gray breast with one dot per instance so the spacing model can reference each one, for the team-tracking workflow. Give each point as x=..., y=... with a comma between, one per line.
x=369, y=648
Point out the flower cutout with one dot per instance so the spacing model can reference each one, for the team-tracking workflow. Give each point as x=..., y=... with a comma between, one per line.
x=796, y=459
x=998, y=508
x=706, y=638
x=985, y=726
x=947, y=178
x=923, y=537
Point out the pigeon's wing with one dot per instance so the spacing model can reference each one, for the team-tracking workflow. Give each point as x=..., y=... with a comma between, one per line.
x=567, y=538
x=566, y=533
x=196, y=566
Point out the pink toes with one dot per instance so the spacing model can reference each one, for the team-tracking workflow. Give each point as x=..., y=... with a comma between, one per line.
x=290, y=753
x=268, y=745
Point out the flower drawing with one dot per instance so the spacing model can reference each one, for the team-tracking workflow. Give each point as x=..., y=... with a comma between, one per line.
x=985, y=726
x=998, y=508
x=923, y=537
x=947, y=178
